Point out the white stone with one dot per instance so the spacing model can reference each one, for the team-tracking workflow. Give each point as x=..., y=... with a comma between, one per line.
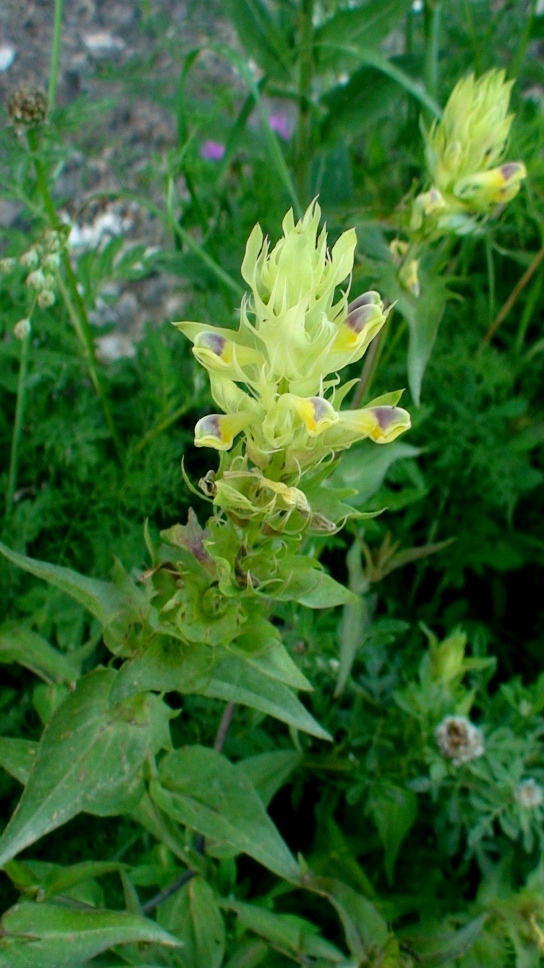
x=103, y=44
x=7, y=56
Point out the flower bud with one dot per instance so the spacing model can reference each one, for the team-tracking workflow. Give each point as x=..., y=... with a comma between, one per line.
x=494, y=187
x=22, y=329
x=219, y=430
x=425, y=206
x=366, y=316
x=381, y=423
x=220, y=354
x=409, y=278
x=316, y=413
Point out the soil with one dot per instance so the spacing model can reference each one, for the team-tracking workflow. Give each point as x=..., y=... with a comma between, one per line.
x=118, y=51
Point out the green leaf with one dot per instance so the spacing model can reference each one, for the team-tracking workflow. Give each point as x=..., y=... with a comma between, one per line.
x=354, y=107
x=365, y=466
x=287, y=932
x=268, y=772
x=89, y=759
x=194, y=916
x=234, y=680
x=17, y=757
x=363, y=926
x=368, y=25
x=248, y=954
x=422, y=314
x=200, y=788
x=50, y=936
x=164, y=665
x=304, y=581
x=261, y=37
x=394, y=811
x=49, y=880
x=438, y=946
x=20, y=644
x=277, y=664
x=100, y=598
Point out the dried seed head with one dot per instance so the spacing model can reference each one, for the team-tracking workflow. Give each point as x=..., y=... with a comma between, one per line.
x=27, y=106
x=529, y=794
x=459, y=740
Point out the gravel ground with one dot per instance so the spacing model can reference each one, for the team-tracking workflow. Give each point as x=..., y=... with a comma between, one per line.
x=113, y=50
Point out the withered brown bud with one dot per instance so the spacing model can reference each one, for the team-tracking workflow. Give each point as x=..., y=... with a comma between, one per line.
x=27, y=106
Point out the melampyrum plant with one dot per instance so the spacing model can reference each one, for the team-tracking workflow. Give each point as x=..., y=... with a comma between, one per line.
x=469, y=180
x=198, y=620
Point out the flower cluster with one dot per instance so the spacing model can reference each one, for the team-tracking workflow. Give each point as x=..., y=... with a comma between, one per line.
x=276, y=379
x=43, y=261
x=465, y=152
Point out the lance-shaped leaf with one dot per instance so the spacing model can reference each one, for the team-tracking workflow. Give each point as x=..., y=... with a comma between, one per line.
x=89, y=759
x=20, y=644
x=200, y=788
x=193, y=915
x=286, y=932
x=45, y=880
x=368, y=24
x=100, y=598
x=234, y=680
x=50, y=936
x=364, y=927
x=268, y=772
x=17, y=757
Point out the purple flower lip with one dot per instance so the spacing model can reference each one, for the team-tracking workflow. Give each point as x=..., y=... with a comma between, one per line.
x=362, y=315
x=385, y=416
x=212, y=150
x=371, y=298
x=213, y=342
x=321, y=408
x=510, y=169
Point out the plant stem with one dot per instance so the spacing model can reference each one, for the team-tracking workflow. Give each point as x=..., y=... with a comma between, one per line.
x=167, y=892
x=18, y=425
x=514, y=295
x=72, y=297
x=221, y=735
x=304, y=133
x=223, y=729
x=432, y=45
x=55, y=55
x=525, y=39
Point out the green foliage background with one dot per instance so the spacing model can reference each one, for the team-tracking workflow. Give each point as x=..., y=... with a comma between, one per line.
x=405, y=858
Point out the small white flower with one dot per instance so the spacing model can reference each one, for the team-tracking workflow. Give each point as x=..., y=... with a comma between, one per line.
x=529, y=794
x=46, y=298
x=21, y=329
x=30, y=259
x=459, y=740
x=7, y=265
x=36, y=280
